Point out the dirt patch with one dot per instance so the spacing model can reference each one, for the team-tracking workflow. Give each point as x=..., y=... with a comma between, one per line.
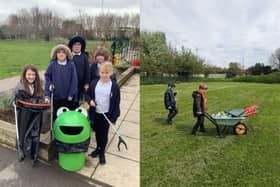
x=8, y=115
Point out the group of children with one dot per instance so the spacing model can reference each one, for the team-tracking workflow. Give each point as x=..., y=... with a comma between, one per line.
x=69, y=76
x=199, y=105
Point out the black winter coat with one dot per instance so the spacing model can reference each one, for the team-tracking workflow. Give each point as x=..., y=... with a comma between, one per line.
x=169, y=98
x=197, y=103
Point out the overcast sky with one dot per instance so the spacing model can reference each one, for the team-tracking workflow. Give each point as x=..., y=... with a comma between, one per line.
x=220, y=31
x=70, y=8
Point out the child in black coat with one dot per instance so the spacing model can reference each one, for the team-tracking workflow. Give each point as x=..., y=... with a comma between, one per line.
x=170, y=102
x=77, y=45
x=199, y=108
x=103, y=97
x=29, y=121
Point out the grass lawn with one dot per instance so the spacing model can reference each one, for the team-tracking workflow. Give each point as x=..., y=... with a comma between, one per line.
x=170, y=156
x=15, y=54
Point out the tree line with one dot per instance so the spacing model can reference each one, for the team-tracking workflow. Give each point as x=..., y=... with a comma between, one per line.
x=37, y=24
x=159, y=58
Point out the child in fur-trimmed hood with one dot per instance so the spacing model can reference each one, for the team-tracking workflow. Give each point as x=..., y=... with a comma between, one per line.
x=61, y=78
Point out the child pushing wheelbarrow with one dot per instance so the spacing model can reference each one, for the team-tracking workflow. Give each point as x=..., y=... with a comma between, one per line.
x=225, y=120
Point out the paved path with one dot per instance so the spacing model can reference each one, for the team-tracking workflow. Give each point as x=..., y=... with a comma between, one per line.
x=122, y=167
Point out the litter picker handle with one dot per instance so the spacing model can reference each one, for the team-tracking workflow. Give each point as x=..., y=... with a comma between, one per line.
x=121, y=140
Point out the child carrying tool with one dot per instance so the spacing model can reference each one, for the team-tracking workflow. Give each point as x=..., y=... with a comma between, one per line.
x=28, y=102
x=103, y=97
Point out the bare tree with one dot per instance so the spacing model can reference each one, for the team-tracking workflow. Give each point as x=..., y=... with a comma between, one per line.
x=274, y=59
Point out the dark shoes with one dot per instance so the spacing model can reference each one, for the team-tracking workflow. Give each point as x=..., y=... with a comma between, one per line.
x=102, y=159
x=34, y=163
x=169, y=122
x=94, y=153
x=21, y=158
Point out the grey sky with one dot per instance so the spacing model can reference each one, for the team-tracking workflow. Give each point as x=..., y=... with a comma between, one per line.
x=70, y=8
x=220, y=31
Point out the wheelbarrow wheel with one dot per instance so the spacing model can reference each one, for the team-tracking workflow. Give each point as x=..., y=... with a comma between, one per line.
x=240, y=129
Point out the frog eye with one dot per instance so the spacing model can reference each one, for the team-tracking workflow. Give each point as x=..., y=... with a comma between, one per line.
x=82, y=110
x=61, y=110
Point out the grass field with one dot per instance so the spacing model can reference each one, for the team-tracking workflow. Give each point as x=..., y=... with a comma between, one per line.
x=170, y=156
x=15, y=54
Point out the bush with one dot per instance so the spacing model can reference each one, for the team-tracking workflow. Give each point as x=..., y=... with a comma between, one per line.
x=270, y=78
x=5, y=102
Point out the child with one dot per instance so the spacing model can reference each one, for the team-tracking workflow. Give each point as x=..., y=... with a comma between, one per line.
x=100, y=57
x=170, y=103
x=77, y=45
x=199, y=107
x=103, y=96
x=61, y=79
x=29, y=122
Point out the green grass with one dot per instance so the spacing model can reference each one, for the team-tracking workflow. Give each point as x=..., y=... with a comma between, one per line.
x=170, y=156
x=15, y=54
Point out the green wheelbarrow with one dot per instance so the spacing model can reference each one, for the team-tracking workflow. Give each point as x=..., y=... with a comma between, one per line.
x=232, y=119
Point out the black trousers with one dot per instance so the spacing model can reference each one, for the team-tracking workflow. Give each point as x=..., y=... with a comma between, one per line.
x=199, y=123
x=172, y=113
x=57, y=103
x=101, y=127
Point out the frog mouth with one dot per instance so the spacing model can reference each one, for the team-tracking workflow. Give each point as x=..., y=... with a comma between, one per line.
x=71, y=130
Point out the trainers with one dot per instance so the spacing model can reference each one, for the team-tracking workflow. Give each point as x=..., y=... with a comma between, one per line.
x=34, y=163
x=94, y=153
x=102, y=159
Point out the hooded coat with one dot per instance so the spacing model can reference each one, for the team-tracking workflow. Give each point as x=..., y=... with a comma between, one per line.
x=169, y=98
x=197, y=103
x=63, y=77
x=81, y=61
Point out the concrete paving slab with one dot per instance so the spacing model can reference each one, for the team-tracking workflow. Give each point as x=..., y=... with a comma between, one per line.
x=90, y=165
x=118, y=172
x=133, y=116
x=128, y=96
x=123, y=113
x=130, y=129
x=126, y=104
x=135, y=106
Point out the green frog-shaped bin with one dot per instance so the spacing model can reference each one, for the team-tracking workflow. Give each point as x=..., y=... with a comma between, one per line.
x=72, y=137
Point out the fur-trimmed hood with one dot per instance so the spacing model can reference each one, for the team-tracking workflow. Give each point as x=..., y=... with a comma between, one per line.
x=59, y=47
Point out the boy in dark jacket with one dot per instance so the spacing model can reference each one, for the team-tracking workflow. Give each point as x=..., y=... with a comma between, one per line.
x=199, y=107
x=77, y=45
x=103, y=97
x=170, y=102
